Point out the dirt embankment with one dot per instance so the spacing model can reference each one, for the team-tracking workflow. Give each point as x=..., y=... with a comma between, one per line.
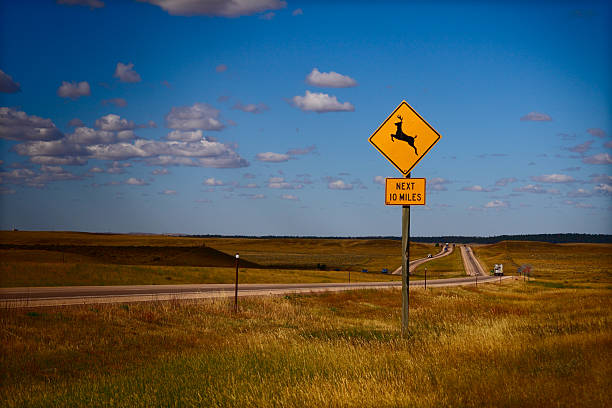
x=123, y=255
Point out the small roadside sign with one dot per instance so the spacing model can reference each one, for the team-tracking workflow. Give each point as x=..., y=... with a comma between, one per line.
x=405, y=191
x=404, y=138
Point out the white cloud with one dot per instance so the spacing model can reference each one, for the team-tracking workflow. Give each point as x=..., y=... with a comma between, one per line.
x=581, y=148
x=478, y=189
x=580, y=193
x=290, y=197
x=339, y=185
x=39, y=180
x=320, y=103
x=198, y=116
x=601, y=178
x=160, y=172
x=535, y=189
x=221, y=68
x=280, y=183
x=114, y=123
x=437, y=184
x=301, y=151
x=230, y=8
x=297, y=12
x=379, y=180
x=496, y=204
x=211, y=181
x=17, y=125
x=168, y=192
x=88, y=136
x=600, y=158
x=329, y=79
x=126, y=73
x=63, y=161
x=165, y=160
x=268, y=16
x=7, y=85
x=251, y=107
x=73, y=90
x=577, y=204
x=597, y=132
x=604, y=188
x=76, y=122
x=505, y=181
x=537, y=117
x=132, y=181
x=253, y=196
x=119, y=102
x=117, y=167
x=87, y=3
x=230, y=161
x=185, y=136
x=553, y=178
x=50, y=148
x=272, y=157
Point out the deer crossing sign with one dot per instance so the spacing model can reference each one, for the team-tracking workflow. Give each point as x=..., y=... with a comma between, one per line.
x=404, y=138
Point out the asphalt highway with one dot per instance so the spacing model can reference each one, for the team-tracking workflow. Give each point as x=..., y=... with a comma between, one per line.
x=72, y=295
x=470, y=263
x=413, y=264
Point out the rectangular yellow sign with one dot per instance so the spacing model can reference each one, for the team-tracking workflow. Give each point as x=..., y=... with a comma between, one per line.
x=405, y=191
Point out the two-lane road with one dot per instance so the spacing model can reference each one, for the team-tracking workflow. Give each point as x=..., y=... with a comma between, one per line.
x=72, y=295
x=417, y=262
x=470, y=263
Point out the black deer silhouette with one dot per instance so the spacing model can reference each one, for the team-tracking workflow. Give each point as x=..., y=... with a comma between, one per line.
x=400, y=135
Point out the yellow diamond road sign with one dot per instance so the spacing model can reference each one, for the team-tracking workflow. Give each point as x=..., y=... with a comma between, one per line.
x=404, y=138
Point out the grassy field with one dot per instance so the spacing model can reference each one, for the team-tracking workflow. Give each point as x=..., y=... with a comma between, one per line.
x=558, y=264
x=69, y=258
x=518, y=344
x=57, y=274
x=450, y=266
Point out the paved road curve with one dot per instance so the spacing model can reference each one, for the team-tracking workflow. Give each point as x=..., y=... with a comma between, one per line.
x=417, y=262
x=71, y=295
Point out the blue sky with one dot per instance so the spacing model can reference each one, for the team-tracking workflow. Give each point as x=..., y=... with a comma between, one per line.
x=253, y=117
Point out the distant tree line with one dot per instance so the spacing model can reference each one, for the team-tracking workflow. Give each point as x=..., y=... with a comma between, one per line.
x=552, y=238
x=459, y=239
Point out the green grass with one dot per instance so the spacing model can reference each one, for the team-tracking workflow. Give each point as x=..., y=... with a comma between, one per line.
x=450, y=266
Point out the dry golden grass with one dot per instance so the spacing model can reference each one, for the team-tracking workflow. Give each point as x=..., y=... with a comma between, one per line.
x=509, y=345
x=289, y=260
x=547, y=342
x=574, y=264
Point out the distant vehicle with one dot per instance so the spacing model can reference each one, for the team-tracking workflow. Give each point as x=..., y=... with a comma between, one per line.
x=498, y=270
x=429, y=255
x=385, y=270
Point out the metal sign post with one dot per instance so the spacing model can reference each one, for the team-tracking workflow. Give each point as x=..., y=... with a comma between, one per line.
x=236, y=288
x=405, y=266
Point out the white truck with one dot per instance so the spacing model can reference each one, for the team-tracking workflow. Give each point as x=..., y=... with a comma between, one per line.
x=498, y=269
